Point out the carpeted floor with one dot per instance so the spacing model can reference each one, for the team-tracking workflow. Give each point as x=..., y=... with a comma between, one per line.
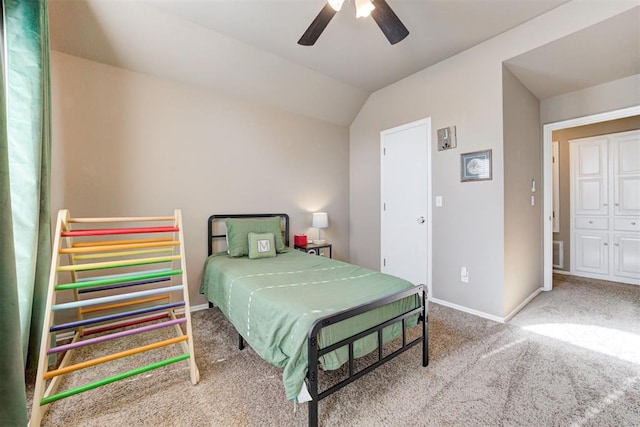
x=570, y=358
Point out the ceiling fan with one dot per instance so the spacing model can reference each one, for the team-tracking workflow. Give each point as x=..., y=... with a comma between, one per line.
x=381, y=12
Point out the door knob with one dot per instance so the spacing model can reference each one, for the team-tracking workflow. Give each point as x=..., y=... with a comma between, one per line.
x=420, y=220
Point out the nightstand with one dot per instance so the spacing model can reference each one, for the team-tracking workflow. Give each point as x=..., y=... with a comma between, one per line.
x=316, y=249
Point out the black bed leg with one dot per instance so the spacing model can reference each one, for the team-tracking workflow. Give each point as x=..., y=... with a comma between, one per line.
x=425, y=330
x=425, y=342
x=240, y=342
x=313, y=413
x=312, y=381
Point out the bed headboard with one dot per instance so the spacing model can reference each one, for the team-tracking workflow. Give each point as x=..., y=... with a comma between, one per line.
x=214, y=219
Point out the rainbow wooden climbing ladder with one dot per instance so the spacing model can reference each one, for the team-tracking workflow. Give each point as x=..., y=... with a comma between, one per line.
x=144, y=289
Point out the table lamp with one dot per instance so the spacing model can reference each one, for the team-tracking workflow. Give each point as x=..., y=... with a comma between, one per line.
x=319, y=220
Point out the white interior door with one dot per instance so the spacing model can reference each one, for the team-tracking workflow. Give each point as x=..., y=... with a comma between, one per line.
x=627, y=255
x=626, y=173
x=556, y=187
x=592, y=252
x=591, y=176
x=405, y=199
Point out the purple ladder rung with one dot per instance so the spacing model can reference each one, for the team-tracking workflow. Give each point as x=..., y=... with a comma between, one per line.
x=121, y=334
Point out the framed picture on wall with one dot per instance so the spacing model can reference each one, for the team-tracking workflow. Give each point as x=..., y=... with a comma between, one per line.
x=475, y=166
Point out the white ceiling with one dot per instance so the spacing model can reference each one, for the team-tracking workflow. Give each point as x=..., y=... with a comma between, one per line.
x=355, y=51
x=603, y=52
x=248, y=48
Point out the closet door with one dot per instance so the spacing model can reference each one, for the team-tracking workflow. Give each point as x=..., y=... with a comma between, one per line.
x=589, y=194
x=605, y=203
x=591, y=252
x=590, y=177
x=626, y=255
x=626, y=173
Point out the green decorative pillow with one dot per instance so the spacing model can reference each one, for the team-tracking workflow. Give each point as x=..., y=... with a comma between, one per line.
x=238, y=230
x=261, y=245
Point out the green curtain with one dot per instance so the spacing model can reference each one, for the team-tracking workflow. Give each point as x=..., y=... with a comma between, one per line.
x=25, y=157
x=11, y=362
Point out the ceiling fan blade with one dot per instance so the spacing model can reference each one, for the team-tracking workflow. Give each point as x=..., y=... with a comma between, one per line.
x=317, y=26
x=388, y=22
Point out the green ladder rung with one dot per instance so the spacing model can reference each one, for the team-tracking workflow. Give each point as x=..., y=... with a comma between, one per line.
x=116, y=280
x=91, y=386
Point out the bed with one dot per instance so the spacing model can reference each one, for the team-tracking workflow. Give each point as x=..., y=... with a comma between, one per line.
x=303, y=312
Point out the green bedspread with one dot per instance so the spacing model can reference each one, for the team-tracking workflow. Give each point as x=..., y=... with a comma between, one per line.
x=272, y=302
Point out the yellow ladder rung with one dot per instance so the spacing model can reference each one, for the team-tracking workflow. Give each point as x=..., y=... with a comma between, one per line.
x=112, y=264
x=104, y=248
x=122, y=253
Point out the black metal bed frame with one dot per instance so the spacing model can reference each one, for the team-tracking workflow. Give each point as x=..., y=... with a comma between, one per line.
x=314, y=352
x=212, y=218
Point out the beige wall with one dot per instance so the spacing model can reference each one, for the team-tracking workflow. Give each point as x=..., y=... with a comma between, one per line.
x=465, y=91
x=127, y=144
x=522, y=165
x=610, y=96
x=563, y=136
x=467, y=229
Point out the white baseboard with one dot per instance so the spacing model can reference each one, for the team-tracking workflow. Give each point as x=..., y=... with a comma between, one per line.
x=199, y=307
x=65, y=336
x=568, y=273
x=194, y=308
x=625, y=281
x=487, y=315
x=467, y=310
x=522, y=304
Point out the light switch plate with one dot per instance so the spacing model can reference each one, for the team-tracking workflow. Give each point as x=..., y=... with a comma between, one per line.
x=447, y=138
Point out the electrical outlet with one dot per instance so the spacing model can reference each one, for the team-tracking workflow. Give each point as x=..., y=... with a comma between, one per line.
x=464, y=275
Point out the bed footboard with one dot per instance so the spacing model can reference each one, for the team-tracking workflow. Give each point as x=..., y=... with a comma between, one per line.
x=315, y=352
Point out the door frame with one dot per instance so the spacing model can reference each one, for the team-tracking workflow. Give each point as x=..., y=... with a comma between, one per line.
x=427, y=122
x=547, y=174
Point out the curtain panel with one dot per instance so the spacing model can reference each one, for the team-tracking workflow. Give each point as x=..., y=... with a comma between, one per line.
x=25, y=153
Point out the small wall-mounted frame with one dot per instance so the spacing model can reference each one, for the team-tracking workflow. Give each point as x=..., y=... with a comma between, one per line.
x=447, y=138
x=475, y=166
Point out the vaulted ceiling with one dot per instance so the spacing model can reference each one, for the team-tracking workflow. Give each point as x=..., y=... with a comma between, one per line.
x=248, y=48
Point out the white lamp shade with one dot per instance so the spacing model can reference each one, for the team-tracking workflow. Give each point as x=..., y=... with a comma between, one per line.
x=363, y=8
x=320, y=220
x=335, y=4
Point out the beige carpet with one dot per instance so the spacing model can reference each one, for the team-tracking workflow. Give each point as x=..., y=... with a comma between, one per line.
x=570, y=358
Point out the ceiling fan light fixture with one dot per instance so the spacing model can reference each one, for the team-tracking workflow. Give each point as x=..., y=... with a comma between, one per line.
x=363, y=8
x=391, y=26
x=335, y=4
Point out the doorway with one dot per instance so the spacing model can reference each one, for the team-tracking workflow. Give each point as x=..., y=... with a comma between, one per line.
x=548, y=130
x=405, y=196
